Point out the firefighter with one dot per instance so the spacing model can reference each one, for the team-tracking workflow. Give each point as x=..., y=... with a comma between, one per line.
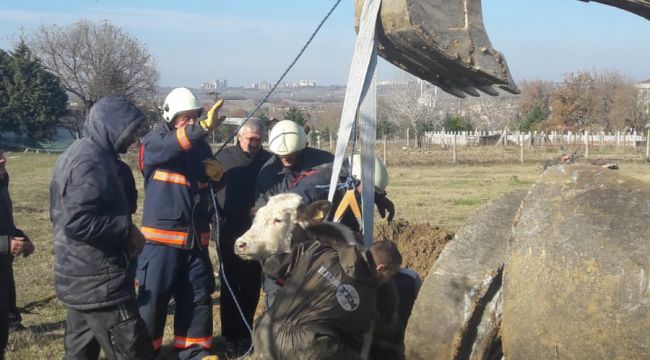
x=291, y=156
x=175, y=160
x=388, y=337
x=313, y=184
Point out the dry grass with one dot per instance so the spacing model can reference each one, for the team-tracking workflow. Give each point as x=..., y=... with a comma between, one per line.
x=442, y=194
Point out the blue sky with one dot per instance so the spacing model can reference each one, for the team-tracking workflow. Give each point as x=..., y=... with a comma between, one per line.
x=252, y=40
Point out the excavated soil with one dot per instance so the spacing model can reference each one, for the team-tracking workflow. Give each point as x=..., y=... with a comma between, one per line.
x=419, y=244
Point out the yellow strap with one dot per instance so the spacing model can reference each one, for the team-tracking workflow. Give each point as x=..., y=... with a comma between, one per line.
x=349, y=201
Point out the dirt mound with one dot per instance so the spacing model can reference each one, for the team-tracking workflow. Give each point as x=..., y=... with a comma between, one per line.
x=420, y=244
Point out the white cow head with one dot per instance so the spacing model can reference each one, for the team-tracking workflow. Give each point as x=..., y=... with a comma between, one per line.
x=274, y=224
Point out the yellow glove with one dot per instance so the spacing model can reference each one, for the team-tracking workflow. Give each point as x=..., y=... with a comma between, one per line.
x=213, y=118
x=213, y=169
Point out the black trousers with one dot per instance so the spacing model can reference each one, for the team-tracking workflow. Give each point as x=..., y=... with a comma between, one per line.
x=5, y=276
x=4, y=317
x=13, y=313
x=118, y=330
x=245, y=279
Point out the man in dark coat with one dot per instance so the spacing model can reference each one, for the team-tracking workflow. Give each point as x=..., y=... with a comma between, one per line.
x=291, y=157
x=313, y=185
x=236, y=196
x=95, y=240
x=13, y=242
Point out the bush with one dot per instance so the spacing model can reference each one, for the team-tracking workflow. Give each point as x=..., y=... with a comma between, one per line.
x=457, y=123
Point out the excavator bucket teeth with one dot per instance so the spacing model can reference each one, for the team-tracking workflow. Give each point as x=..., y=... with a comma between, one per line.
x=443, y=42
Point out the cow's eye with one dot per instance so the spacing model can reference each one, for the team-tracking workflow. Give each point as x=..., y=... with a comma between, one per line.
x=277, y=220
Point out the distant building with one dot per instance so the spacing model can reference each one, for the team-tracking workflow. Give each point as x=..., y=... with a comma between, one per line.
x=305, y=83
x=218, y=84
x=643, y=98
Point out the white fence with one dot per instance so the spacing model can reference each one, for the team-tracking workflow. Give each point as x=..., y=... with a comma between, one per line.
x=475, y=138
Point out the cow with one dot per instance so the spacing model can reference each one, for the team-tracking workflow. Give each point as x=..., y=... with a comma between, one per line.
x=281, y=223
x=285, y=221
x=329, y=284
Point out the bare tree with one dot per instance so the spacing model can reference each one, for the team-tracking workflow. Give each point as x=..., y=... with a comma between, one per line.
x=625, y=110
x=94, y=60
x=411, y=102
x=489, y=111
x=535, y=94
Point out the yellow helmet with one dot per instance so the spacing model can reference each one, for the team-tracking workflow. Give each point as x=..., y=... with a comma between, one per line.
x=286, y=138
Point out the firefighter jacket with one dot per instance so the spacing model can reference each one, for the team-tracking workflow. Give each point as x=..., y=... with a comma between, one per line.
x=313, y=184
x=176, y=202
x=325, y=306
x=90, y=212
x=275, y=179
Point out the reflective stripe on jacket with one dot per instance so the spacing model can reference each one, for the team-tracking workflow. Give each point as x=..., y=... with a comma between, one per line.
x=176, y=203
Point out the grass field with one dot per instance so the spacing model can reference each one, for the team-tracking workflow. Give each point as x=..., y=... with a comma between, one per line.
x=442, y=194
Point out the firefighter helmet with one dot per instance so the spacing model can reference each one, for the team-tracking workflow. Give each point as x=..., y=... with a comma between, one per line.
x=381, y=173
x=178, y=101
x=287, y=138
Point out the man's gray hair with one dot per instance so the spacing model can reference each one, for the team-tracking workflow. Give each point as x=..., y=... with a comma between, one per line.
x=254, y=125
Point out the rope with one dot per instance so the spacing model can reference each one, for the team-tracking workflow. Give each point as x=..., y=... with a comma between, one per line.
x=212, y=193
x=281, y=77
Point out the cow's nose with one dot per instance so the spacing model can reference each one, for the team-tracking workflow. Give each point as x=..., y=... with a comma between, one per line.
x=240, y=245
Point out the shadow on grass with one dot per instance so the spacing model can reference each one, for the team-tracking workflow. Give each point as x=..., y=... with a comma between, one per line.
x=44, y=328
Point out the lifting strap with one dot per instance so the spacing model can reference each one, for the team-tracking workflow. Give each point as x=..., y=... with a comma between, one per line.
x=360, y=90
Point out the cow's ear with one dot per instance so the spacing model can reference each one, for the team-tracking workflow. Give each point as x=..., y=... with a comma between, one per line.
x=315, y=212
x=252, y=212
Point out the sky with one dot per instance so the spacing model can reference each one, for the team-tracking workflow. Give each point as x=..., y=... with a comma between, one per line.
x=246, y=41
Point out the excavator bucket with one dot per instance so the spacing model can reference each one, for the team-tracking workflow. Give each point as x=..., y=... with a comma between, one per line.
x=443, y=42
x=639, y=7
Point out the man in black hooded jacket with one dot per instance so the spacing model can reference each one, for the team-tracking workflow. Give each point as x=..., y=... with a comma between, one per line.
x=13, y=242
x=95, y=239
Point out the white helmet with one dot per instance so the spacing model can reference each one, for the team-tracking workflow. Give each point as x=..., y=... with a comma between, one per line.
x=381, y=173
x=286, y=138
x=178, y=101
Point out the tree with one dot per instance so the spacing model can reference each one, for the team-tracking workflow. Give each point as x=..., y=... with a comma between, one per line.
x=94, y=60
x=534, y=105
x=294, y=114
x=574, y=103
x=624, y=111
x=5, y=75
x=411, y=102
x=617, y=102
x=533, y=118
x=34, y=99
x=457, y=123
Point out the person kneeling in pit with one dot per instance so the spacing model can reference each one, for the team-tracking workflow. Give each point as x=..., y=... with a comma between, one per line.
x=328, y=303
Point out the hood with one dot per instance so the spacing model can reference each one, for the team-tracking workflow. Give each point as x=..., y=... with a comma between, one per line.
x=111, y=121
